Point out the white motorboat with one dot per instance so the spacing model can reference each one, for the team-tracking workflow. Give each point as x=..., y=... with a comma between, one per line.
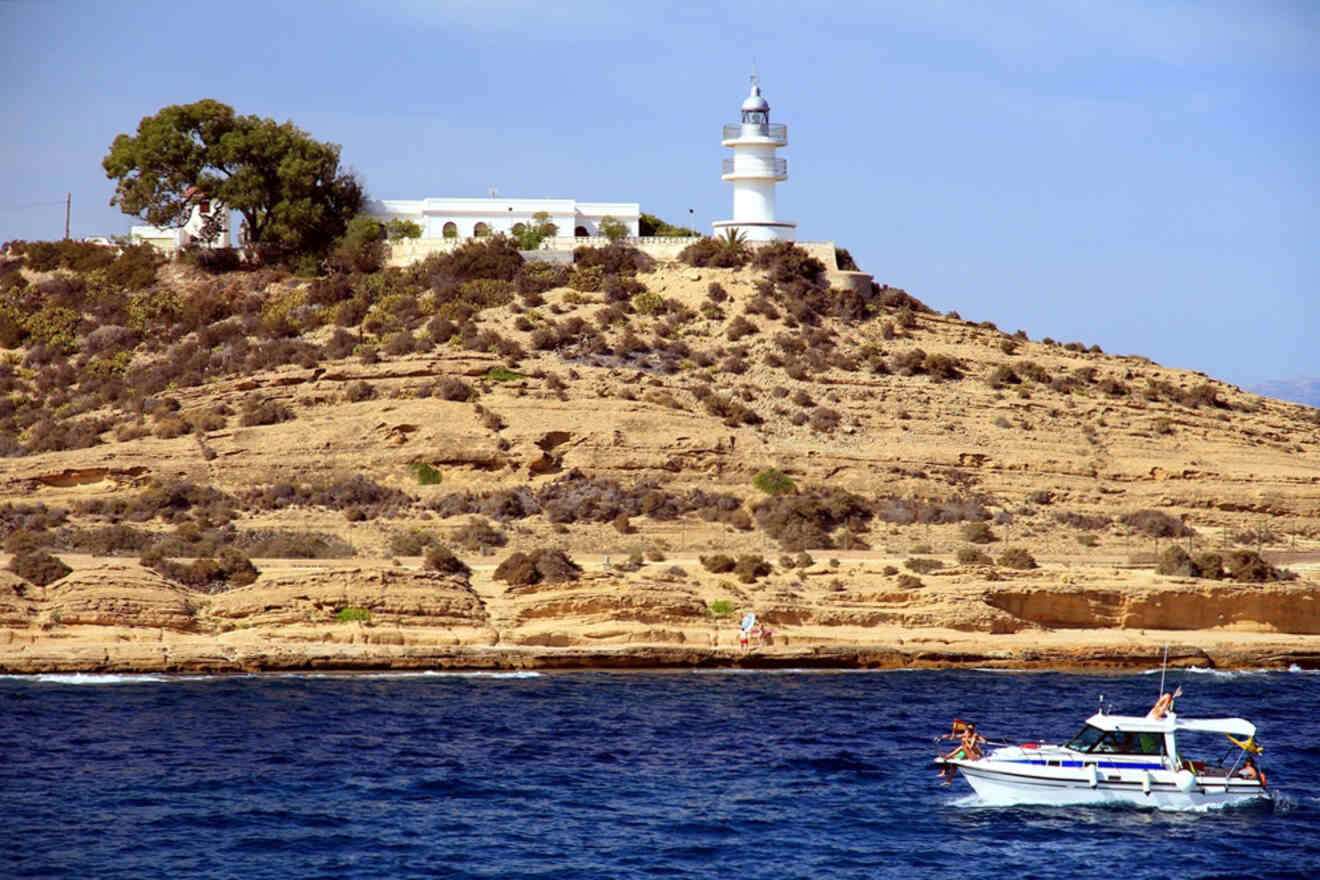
x=1123, y=759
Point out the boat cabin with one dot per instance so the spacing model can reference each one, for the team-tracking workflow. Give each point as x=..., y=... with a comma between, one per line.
x=1114, y=735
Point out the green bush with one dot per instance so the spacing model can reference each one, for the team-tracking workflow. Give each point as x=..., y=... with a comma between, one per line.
x=648, y=303
x=134, y=268
x=502, y=374
x=353, y=614
x=721, y=608
x=613, y=229
x=426, y=475
x=773, y=482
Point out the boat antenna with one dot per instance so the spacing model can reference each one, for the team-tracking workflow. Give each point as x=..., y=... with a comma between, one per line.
x=1163, y=667
x=1102, y=705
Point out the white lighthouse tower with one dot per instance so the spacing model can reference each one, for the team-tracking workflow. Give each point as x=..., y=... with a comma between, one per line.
x=754, y=170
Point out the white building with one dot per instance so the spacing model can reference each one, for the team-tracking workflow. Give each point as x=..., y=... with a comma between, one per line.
x=754, y=170
x=475, y=218
x=169, y=239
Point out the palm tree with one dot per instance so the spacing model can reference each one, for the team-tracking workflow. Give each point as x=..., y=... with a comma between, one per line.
x=734, y=242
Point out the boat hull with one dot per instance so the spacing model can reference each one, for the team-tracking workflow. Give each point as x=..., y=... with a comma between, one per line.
x=1006, y=783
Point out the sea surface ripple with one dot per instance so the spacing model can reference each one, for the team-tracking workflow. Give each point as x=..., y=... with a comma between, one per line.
x=609, y=775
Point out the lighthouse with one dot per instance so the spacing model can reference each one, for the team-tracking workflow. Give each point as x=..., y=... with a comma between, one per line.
x=754, y=170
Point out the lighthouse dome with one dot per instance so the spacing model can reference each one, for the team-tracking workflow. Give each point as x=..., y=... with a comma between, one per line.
x=756, y=101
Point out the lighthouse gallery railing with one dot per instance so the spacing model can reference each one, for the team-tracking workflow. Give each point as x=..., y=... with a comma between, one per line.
x=774, y=131
x=755, y=168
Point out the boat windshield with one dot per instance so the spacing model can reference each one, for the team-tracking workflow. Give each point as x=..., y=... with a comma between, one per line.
x=1093, y=739
x=1086, y=740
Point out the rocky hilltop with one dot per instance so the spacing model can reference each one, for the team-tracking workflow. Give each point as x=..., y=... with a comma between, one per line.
x=480, y=462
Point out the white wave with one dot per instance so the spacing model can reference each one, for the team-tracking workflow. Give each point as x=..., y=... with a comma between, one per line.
x=450, y=674
x=89, y=678
x=424, y=673
x=1210, y=671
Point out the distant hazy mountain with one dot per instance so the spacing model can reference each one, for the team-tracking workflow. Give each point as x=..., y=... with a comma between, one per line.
x=1298, y=390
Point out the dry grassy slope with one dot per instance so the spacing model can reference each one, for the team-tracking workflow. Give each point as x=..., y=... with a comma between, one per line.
x=1255, y=465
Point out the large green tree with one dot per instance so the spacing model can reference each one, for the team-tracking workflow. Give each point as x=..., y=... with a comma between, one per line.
x=289, y=188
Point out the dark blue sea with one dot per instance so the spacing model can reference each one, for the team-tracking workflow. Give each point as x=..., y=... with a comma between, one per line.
x=610, y=775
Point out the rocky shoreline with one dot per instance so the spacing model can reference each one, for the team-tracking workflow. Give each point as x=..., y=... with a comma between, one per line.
x=1079, y=651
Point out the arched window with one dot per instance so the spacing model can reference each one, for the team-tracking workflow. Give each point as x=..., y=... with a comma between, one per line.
x=481, y=230
x=519, y=228
x=450, y=230
x=581, y=232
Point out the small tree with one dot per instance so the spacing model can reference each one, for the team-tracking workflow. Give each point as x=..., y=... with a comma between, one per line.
x=613, y=229
x=530, y=236
x=362, y=247
x=293, y=195
x=399, y=228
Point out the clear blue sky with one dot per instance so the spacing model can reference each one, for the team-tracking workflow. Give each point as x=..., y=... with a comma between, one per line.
x=1134, y=173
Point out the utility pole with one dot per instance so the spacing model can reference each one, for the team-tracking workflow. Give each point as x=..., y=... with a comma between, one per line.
x=68, y=203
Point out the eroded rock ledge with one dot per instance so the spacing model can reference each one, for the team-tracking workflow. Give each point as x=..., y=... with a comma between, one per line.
x=118, y=617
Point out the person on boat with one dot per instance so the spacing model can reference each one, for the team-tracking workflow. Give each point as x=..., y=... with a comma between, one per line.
x=968, y=749
x=1164, y=705
x=1251, y=771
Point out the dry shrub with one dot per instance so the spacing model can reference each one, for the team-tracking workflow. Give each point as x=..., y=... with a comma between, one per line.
x=1089, y=522
x=230, y=568
x=442, y=559
x=909, y=582
x=170, y=500
x=359, y=494
x=613, y=259
x=714, y=253
x=804, y=521
x=824, y=419
x=718, y=563
x=285, y=544
x=1248, y=566
x=257, y=411
x=412, y=542
x=111, y=540
x=750, y=567
x=356, y=392
x=893, y=509
x=452, y=388
x=1156, y=524
x=540, y=566
x=978, y=533
x=478, y=534
x=38, y=567
x=973, y=556
x=922, y=564
x=1017, y=557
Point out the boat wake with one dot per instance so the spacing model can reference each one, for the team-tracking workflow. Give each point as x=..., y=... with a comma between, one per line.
x=1277, y=805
